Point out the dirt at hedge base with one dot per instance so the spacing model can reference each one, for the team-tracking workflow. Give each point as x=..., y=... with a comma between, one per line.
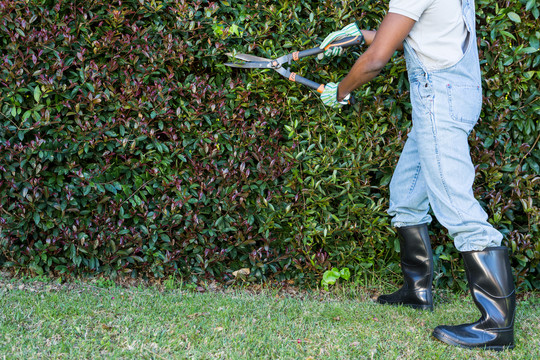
x=11, y=282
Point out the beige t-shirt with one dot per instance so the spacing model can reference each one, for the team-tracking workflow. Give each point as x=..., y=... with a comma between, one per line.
x=439, y=34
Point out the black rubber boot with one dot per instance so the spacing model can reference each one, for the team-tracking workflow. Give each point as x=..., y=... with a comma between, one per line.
x=492, y=289
x=417, y=269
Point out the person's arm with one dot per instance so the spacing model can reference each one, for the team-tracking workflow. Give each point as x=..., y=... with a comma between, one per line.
x=382, y=45
x=369, y=35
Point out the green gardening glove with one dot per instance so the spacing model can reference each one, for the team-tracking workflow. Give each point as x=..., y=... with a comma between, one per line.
x=349, y=30
x=329, y=96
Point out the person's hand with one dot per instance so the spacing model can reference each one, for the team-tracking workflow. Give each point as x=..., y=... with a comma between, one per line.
x=329, y=96
x=349, y=30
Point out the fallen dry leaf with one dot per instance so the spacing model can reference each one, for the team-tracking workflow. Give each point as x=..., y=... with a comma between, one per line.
x=241, y=272
x=197, y=314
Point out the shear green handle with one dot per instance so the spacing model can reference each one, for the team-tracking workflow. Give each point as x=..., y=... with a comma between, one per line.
x=316, y=86
x=346, y=42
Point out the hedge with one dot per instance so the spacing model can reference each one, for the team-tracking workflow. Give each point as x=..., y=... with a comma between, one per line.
x=128, y=148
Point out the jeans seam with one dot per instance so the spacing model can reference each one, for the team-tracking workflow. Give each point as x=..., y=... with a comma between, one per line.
x=415, y=178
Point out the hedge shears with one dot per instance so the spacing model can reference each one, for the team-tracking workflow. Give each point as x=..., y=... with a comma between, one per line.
x=256, y=62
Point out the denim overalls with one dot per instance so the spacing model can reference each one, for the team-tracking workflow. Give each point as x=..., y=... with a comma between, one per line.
x=435, y=167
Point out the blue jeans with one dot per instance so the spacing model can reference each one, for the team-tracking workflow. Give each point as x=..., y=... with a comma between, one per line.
x=435, y=167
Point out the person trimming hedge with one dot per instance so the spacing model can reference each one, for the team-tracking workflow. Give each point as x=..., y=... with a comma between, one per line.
x=435, y=168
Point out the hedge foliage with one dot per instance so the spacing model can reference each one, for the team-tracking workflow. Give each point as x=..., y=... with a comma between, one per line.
x=126, y=147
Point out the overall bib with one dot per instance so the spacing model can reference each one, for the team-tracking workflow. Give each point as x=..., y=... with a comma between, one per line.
x=435, y=167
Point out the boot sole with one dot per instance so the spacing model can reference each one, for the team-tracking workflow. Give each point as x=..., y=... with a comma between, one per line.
x=447, y=340
x=414, y=306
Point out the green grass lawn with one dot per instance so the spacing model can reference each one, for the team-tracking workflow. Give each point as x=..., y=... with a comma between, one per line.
x=44, y=320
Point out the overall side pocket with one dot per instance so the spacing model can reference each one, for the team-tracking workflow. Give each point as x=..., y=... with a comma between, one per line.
x=465, y=102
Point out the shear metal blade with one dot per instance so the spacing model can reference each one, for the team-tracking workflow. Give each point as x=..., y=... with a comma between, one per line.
x=249, y=65
x=247, y=57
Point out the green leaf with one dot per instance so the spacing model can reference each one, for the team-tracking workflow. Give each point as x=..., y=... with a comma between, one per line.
x=26, y=115
x=37, y=93
x=37, y=218
x=111, y=188
x=507, y=34
x=514, y=17
x=330, y=276
x=345, y=273
x=235, y=30
x=528, y=50
x=534, y=165
x=508, y=168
